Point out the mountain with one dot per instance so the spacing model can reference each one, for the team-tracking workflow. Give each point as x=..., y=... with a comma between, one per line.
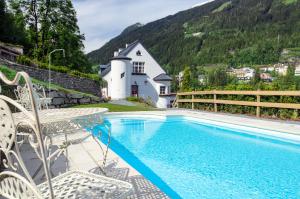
x=131, y=28
x=235, y=32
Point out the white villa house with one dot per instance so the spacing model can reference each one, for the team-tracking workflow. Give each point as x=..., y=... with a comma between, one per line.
x=134, y=72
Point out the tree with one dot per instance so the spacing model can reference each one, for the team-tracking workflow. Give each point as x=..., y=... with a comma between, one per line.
x=52, y=24
x=218, y=77
x=187, y=79
x=256, y=79
x=66, y=34
x=4, y=21
x=174, y=84
x=12, y=26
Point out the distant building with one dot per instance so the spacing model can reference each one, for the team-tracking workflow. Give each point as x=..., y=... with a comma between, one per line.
x=297, y=70
x=179, y=77
x=267, y=69
x=281, y=69
x=266, y=77
x=10, y=52
x=201, y=79
x=244, y=74
x=134, y=72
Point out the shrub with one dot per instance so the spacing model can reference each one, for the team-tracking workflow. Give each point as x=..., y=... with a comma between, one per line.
x=94, y=77
x=134, y=99
x=25, y=61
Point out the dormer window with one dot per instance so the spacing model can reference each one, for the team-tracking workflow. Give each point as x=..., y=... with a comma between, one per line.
x=138, y=53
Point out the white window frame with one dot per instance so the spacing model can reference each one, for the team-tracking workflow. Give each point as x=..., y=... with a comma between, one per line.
x=138, y=67
x=162, y=91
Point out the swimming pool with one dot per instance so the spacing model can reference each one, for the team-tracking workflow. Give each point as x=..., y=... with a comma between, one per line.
x=191, y=159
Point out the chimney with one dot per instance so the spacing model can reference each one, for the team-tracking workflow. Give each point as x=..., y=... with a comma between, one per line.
x=126, y=45
x=116, y=53
x=120, y=49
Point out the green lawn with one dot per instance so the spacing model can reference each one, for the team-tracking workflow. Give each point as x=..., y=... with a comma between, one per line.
x=288, y=2
x=118, y=108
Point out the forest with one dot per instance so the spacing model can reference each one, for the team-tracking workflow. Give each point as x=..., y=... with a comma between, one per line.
x=232, y=33
x=41, y=26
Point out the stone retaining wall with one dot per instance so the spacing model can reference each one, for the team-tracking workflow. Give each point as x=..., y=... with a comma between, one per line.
x=61, y=99
x=65, y=80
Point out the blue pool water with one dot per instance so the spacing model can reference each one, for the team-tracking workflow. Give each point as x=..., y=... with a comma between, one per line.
x=189, y=159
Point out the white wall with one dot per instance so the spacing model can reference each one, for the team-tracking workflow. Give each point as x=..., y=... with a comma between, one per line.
x=120, y=86
x=149, y=90
x=152, y=68
x=163, y=102
x=108, y=79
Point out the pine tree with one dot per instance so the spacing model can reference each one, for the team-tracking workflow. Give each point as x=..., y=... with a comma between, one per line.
x=187, y=79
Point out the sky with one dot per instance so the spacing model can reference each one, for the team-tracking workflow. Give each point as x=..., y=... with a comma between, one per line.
x=102, y=20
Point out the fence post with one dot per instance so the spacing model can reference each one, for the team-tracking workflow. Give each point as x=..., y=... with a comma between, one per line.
x=258, y=107
x=215, y=104
x=193, y=106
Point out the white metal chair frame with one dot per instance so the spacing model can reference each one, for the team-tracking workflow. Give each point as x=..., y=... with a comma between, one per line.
x=22, y=95
x=16, y=181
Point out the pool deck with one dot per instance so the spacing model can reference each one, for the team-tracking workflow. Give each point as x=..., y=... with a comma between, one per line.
x=286, y=127
x=86, y=155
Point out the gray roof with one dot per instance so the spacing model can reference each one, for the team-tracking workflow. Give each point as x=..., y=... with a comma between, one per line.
x=106, y=71
x=122, y=55
x=162, y=77
x=119, y=57
x=127, y=50
x=103, y=66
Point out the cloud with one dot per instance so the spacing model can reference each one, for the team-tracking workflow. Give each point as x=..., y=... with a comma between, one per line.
x=101, y=20
x=201, y=3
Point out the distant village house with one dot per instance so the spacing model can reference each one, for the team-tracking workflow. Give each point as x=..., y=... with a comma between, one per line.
x=297, y=70
x=266, y=77
x=244, y=74
x=280, y=69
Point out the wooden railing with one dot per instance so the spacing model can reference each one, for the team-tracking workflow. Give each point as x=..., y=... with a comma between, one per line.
x=258, y=104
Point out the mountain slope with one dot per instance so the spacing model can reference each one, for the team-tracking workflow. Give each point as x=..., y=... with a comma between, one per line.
x=234, y=32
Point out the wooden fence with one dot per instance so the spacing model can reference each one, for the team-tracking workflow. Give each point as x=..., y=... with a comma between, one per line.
x=258, y=104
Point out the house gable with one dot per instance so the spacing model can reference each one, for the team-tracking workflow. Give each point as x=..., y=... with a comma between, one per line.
x=138, y=53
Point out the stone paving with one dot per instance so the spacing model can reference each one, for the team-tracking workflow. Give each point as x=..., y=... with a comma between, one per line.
x=86, y=155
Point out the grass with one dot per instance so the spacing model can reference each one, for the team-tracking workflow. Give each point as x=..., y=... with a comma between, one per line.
x=288, y=2
x=10, y=74
x=118, y=108
x=222, y=7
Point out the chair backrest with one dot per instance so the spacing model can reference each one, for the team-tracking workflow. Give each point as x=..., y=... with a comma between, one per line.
x=16, y=186
x=23, y=96
x=15, y=180
x=7, y=127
